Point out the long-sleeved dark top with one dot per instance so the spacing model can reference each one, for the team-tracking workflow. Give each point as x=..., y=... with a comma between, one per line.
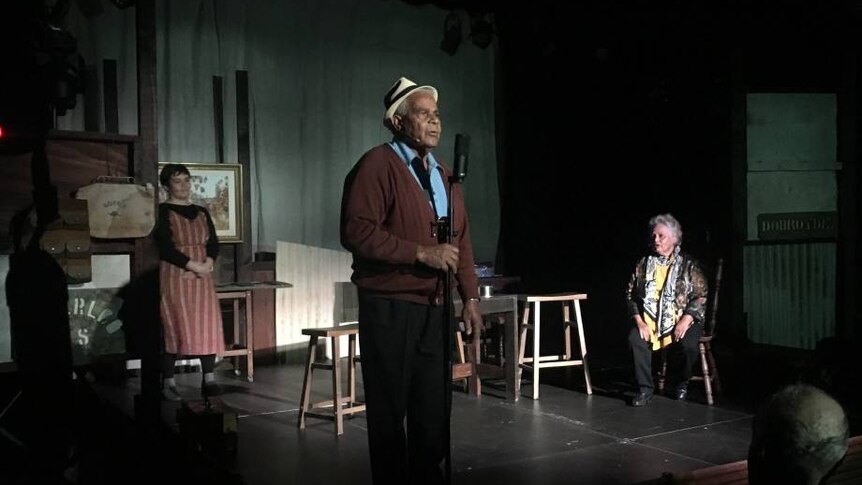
x=385, y=216
x=167, y=250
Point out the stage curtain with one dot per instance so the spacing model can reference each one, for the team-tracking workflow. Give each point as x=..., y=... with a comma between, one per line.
x=318, y=70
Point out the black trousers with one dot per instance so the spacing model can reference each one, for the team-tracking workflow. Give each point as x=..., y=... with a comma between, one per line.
x=402, y=369
x=169, y=362
x=681, y=358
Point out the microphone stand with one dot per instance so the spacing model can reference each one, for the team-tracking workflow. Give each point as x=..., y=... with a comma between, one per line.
x=446, y=234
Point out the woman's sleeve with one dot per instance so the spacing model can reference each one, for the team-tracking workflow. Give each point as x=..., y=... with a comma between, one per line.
x=167, y=250
x=632, y=305
x=212, y=242
x=696, y=306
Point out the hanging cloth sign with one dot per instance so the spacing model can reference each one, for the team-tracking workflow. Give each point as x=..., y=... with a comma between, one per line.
x=119, y=210
x=67, y=240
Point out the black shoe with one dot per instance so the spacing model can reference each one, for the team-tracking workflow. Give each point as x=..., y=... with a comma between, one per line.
x=641, y=399
x=210, y=389
x=681, y=394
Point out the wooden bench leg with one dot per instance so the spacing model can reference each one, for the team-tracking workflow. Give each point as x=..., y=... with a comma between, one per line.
x=522, y=336
x=704, y=365
x=351, y=367
x=235, y=358
x=583, y=342
x=249, y=336
x=306, y=382
x=713, y=368
x=536, y=352
x=567, y=332
x=336, y=385
x=474, y=382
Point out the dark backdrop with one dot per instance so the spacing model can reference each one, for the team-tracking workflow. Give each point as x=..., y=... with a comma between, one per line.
x=611, y=112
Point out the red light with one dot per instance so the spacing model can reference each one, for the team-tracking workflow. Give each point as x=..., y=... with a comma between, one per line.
x=1, y=131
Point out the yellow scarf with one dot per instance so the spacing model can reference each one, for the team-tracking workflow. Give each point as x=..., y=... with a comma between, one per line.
x=660, y=280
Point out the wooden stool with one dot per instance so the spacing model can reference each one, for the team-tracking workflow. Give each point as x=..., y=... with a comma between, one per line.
x=538, y=361
x=308, y=408
x=238, y=350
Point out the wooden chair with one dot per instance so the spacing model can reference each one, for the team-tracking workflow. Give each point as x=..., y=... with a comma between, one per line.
x=709, y=369
x=338, y=402
x=465, y=369
x=538, y=361
x=471, y=364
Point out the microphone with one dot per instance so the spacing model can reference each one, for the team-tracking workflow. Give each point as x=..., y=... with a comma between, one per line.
x=462, y=152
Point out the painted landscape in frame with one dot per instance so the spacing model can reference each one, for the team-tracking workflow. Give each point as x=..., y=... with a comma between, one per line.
x=218, y=187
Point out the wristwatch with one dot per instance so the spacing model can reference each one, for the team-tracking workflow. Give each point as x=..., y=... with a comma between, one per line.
x=476, y=299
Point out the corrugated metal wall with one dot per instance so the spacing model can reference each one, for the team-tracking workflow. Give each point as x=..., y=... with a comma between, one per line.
x=789, y=294
x=319, y=277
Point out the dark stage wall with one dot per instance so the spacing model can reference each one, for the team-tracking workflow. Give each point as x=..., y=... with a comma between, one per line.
x=612, y=113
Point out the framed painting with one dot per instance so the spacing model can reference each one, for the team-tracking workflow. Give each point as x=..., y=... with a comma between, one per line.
x=218, y=187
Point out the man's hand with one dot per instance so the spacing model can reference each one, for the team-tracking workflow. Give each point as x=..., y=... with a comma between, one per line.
x=441, y=256
x=472, y=319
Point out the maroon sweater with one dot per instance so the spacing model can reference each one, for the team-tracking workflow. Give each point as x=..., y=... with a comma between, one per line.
x=385, y=215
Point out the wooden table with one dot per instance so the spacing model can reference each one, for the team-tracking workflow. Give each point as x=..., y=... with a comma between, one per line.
x=235, y=293
x=508, y=305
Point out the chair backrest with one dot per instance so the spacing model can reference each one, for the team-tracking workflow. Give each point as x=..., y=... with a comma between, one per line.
x=712, y=310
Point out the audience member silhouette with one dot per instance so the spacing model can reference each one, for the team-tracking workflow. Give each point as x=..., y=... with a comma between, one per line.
x=144, y=339
x=37, y=297
x=799, y=435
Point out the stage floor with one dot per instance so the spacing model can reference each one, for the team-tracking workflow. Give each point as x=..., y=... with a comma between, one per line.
x=565, y=437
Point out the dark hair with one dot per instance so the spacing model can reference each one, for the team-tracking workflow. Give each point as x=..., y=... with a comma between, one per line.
x=170, y=170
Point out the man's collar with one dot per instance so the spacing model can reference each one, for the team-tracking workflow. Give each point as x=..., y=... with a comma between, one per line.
x=407, y=153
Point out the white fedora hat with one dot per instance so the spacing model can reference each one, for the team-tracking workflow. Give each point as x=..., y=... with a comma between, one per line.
x=399, y=92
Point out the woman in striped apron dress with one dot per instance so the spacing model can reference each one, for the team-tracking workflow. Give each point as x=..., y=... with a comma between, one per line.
x=188, y=247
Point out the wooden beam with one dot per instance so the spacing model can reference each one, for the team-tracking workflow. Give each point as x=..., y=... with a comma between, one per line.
x=739, y=198
x=244, y=250
x=145, y=165
x=218, y=117
x=109, y=87
x=847, y=307
x=145, y=158
x=92, y=101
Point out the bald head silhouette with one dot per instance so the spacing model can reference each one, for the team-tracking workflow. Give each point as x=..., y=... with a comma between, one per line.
x=800, y=433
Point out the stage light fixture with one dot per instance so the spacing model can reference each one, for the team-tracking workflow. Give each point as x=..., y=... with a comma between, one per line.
x=481, y=31
x=451, y=34
x=121, y=4
x=90, y=8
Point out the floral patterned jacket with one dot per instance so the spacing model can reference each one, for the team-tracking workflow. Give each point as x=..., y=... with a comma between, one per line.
x=691, y=289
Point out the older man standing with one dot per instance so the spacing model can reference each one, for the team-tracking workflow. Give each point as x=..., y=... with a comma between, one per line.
x=392, y=200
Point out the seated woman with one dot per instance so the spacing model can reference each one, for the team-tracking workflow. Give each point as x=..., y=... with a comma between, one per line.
x=666, y=299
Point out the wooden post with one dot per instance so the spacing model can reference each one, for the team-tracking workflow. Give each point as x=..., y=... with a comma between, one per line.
x=145, y=168
x=244, y=250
